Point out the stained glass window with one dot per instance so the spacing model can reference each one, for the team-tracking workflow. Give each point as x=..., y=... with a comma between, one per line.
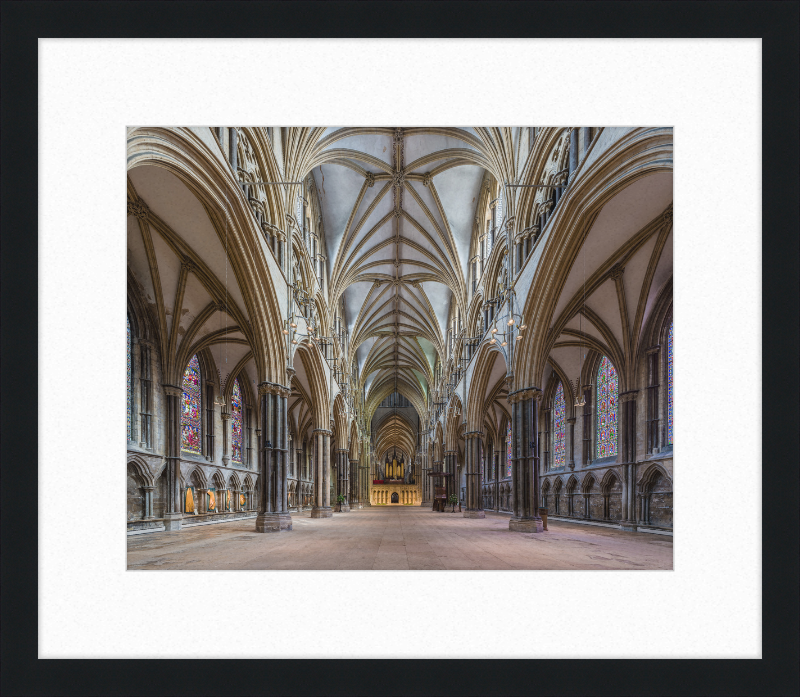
x=508, y=450
x=607, y=389
x=559, y=428
x=130, y=391
x=669, y=382
x=191, y=412
x=236, y=423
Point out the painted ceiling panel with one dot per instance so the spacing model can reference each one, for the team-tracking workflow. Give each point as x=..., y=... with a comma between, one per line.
x=621, y=218
x=137, y=260
x=178, y=207
x=439, y=297
x=457, y=188
x=605, y=304
x=341, y=191
x=377, y=145
x=635, y=270
x=662, y=274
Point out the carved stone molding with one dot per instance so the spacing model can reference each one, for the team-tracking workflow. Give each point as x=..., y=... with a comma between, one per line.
x=653, y=349
x=370, y=179
x=616, y=271
x=273, y=388
x=138, y=209
x=427, y=179
x=187, y=264
x=398, y=178
x=225, y=415
x=667, y=217
x=628, y=396
x=526, y=393
x=172, y=391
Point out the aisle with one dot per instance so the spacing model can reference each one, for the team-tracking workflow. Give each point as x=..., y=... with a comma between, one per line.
x=398, y=538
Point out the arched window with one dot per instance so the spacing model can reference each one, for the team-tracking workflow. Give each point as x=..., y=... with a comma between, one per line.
x=508, y=450
x=191, y=413
x=237, y=437
x=607, y=389
x=669, y=383
x=559, y=428
x=130, y=378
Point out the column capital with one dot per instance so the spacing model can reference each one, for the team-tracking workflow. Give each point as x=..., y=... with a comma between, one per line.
x=273, y=388
x=525, y=393
x=172, y=391
x=225, y=415
x=473, y=434
x=571, y=421
x=323, y=431
x=653, y=349
x=628, y=396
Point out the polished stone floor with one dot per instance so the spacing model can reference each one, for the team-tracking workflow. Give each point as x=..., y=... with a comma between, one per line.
x=398, y=538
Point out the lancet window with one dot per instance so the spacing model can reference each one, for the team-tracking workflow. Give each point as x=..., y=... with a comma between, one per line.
x=559, y=428
x=130, y=379
x=191, y=409
x=237, y=432
x=669, y=382
x=607, y=391
x=508, y=450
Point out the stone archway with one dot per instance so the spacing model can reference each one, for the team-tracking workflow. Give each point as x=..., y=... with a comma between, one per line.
x=395, y=498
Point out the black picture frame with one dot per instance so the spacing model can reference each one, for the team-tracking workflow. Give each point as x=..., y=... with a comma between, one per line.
x=775, y=674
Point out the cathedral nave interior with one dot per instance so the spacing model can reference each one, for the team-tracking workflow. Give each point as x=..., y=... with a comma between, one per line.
x=461, y=329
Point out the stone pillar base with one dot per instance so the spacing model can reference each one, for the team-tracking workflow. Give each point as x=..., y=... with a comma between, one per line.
x=324, y=512
x=172, y=521
x=344, y=508
x=273, y=522
x=628, y=525
x=525, y=525
x=474, y=513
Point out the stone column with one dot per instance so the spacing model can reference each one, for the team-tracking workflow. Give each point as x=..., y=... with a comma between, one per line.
x=474, y=507
x=342, y=478
x=498, y=459
x=525, y=468
x=573, y=152
x=226, y=437
x=273, y=512
x=233, y=153
x=425, y=480
x=586, y=139
x=355, y=496
x=627, y=457
x=322, y=487
x=448, y=465
x=148, y=501
x=172, y=508
x=571, y=461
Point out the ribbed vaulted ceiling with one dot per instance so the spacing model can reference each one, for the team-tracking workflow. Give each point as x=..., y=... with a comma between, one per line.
x=398, y=207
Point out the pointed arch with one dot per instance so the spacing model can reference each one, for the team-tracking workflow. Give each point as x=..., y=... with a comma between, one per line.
x=607, y=393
